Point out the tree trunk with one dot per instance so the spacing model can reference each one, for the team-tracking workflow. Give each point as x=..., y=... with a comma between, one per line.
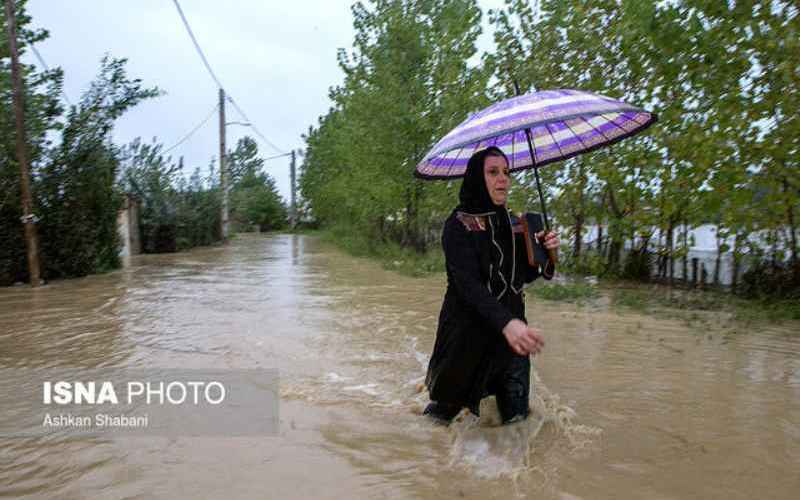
x=579, y=217
x=685, y=257
x=380, y=223
x=614, y=242
x=644, y=250
x=774, y=257
x=600, y=226
x=633, y=241
x=600, y=239
x=662, y=268
x=718, y=260
x=412, y=237
x=670, y=266
x=613, y=254
x=703, y=276
x=576, y=251
x=792, y=228
x=422, y=233
x=735, y=271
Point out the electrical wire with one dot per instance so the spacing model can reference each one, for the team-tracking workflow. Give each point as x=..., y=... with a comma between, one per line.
x=192, y=132
x=252, y=125
x=216, y=80
x=197, y=45
x=47, y=68
x=278, y=156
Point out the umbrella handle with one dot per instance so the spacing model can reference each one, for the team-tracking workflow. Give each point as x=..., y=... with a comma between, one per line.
x=528, y=231
x=552, y=253
x=552, y=260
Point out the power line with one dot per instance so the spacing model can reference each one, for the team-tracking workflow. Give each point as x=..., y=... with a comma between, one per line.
x=195, y=129
x=197, y=45
x=252, y=125
x=278, y=156
x=216, y=80
x=47, y=68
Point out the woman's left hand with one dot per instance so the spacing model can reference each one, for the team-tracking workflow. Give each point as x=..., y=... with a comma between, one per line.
x=550, y=241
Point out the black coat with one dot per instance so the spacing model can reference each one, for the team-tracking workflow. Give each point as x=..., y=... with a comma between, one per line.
x=484, y=293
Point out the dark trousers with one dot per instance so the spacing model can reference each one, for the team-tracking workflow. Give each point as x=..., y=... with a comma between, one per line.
x=510, y=383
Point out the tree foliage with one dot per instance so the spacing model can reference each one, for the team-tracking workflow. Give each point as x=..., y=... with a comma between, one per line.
x=722, y=76
x=255, y=201
x=79, y=182
x=407, y=81
x=76, y=190
x=73, y=180
x=174, y=213
x=41, y=114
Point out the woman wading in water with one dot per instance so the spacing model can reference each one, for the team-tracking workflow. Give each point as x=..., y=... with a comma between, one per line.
x=483, y=343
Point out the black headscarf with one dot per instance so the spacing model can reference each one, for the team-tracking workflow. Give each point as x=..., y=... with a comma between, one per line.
x=474, y=199
x=474, y=196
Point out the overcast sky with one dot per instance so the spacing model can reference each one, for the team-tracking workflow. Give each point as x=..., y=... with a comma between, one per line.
x=277, y=60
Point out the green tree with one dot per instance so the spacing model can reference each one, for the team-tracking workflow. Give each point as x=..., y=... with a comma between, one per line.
x=76, y=187
x=152, y=178
x=175, y=213
x=255, y=200
x=407, y=82
x=722, y=76
x=42, y=110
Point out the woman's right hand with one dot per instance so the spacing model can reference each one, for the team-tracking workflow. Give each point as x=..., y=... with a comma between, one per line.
x=522, y=338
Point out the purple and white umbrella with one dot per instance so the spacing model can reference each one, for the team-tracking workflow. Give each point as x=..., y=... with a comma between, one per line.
x=562, y=124
x=534, y=130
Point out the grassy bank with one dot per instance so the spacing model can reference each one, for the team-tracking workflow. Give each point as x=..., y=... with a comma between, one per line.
x=653, y=297
x=641, y=297
x=657, y=298
x=390, y=255
x=660, y=299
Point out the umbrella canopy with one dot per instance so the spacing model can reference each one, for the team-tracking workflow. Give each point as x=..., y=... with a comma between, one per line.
x=562, y=124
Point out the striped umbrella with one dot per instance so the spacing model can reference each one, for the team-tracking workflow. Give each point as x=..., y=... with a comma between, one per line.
x=534, y=130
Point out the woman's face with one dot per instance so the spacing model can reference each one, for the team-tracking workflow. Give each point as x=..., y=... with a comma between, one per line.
x=498, y=181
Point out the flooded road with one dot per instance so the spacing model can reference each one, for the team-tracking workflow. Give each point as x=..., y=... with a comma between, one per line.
x=628, y=405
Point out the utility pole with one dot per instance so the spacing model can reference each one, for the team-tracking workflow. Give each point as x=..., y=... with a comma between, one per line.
x=293, y=206
x=223, y=175
x=28, y=219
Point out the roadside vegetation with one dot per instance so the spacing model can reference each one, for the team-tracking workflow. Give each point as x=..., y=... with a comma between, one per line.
x=724, y=152
x=80, y=177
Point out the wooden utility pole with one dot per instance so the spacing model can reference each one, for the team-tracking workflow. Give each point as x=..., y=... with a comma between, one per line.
x=28, y=219
x=223, y=174
x=293, y=206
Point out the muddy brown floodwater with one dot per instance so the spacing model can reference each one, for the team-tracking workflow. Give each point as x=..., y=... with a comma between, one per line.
x=628, y=405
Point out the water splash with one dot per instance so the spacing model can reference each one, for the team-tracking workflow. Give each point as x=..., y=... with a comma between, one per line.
x=530, y=452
